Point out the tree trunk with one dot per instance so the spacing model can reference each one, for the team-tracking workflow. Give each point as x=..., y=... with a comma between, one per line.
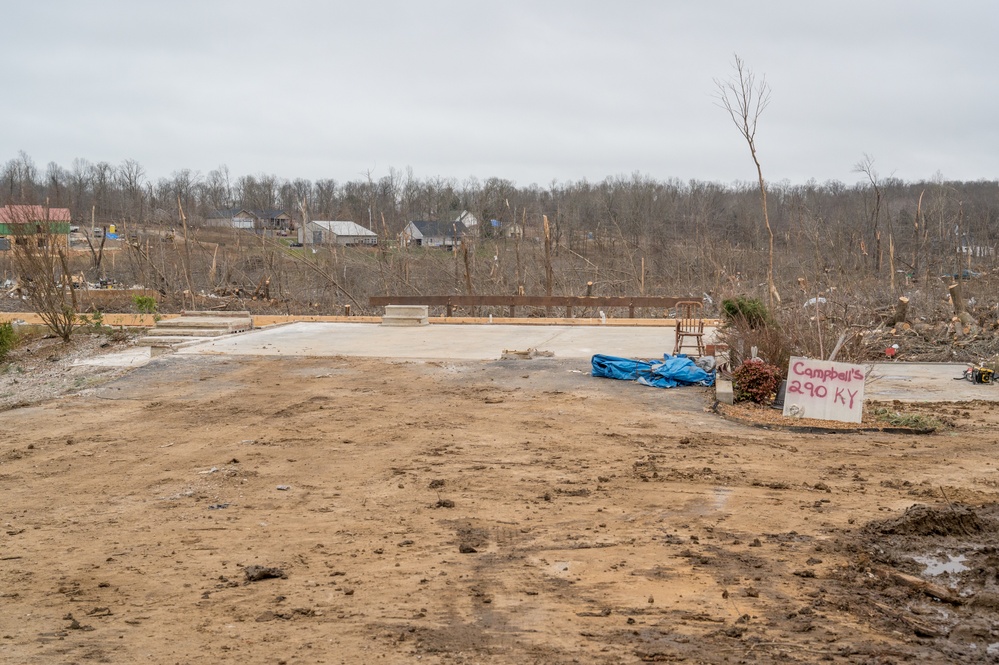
x=957, y=297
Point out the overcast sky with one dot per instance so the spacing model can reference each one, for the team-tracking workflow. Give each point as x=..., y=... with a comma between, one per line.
x=532, y=91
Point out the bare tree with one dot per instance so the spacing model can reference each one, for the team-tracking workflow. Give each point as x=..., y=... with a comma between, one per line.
x=40, y=259
x=745, y=100
x=866, y=167
x=130, y=179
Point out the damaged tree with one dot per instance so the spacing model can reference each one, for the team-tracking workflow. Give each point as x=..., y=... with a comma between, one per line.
x=745, y=100
x=961, y=316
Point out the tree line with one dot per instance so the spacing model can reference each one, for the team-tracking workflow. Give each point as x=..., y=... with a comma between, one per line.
x=704, y=236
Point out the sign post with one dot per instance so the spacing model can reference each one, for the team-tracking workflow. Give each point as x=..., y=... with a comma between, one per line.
x=824, y=390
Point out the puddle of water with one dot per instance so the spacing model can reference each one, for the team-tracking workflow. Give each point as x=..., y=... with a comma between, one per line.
x=942, y=564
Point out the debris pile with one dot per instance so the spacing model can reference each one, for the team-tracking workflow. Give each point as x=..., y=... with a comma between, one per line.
x=964, y=337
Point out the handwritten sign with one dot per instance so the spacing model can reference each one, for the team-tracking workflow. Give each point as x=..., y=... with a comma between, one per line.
x=824, y=390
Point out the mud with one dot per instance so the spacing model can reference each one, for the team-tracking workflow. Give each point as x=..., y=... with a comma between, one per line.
x=931, y=573
x=479, y=513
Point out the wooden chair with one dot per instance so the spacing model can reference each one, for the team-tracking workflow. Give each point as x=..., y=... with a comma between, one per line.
x=689, y=326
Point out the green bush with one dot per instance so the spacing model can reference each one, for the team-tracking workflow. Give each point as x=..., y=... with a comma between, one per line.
x=756, y=381
x=144, y=304
x=8, y=339
x=746, y=310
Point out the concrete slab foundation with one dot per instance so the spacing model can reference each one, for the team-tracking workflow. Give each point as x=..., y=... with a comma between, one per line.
x=437, y=342
x=916, y=382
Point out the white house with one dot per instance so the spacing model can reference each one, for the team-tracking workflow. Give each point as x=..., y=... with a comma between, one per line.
x=337, y=233
x=433, y=234
x=463, y=216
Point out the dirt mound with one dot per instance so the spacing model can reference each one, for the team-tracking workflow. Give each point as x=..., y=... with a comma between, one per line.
x=957, y=521
x=930, y=573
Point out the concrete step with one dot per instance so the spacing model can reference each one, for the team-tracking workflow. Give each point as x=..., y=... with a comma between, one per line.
x=406, y=315
x=193, y=327
x=225, y=315
x=186, y=332
x=166, y=340
x=230, y=324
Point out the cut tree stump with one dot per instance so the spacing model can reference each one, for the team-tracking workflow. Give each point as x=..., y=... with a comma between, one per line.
x=901, y=310
x=957, y=299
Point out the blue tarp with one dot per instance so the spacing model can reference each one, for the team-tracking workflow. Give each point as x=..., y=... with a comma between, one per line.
x=673, y=371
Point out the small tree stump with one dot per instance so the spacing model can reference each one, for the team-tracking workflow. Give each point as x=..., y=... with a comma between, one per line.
x=901, y=310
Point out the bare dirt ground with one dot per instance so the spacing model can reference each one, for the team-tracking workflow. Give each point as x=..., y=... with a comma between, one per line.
x=209, y=509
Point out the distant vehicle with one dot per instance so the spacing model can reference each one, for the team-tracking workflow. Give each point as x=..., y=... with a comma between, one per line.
x=296, y=244
x=97, y=233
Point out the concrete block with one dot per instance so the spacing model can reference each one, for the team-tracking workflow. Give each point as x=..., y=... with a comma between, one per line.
x=406, y=315
x=724, y=392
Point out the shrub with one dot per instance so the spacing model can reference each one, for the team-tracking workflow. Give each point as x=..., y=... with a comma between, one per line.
x=750, y=311
x=144, y=304
x=756, y=381
x=774, y=342
x=8, y=339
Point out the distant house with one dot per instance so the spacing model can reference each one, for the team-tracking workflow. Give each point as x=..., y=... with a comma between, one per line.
x=433, y=234
x=22, y=223
x=337, y=233
x=465, y=217
x=498, y=229
x=251, y=219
